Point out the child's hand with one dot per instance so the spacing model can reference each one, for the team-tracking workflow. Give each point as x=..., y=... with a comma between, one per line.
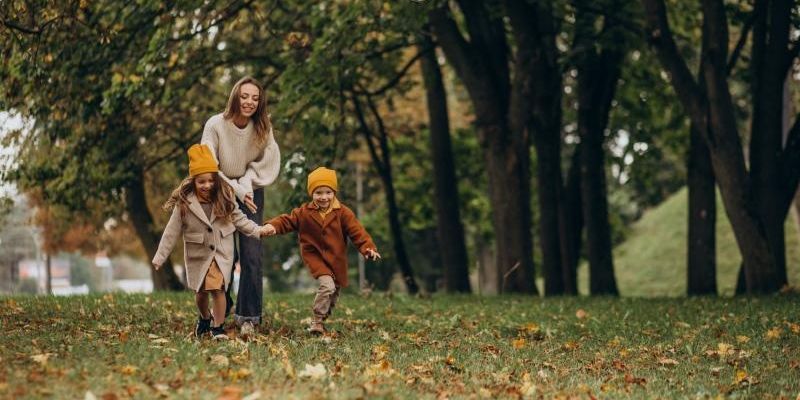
x=372, y=255
x=157, y=266
x=267, y=230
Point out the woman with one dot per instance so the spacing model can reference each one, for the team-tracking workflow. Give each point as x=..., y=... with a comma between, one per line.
x=243, y=143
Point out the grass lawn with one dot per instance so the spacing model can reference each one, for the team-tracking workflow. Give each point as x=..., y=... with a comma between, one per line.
x=652, y=261
x=139, y=346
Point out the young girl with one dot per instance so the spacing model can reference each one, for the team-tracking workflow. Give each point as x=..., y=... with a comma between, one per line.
x=205, y=212
x=323, y=226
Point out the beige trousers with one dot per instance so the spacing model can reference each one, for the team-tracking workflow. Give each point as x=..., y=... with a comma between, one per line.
x=325, y=300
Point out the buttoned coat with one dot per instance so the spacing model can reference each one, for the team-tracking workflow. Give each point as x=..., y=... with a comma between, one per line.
x=204, y=239
x=323, y=242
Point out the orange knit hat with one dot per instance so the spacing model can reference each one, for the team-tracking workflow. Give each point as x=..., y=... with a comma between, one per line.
x=322, y=177
x=201, y=160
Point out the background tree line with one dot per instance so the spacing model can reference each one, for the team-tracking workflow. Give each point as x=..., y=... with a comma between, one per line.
x=521, y=135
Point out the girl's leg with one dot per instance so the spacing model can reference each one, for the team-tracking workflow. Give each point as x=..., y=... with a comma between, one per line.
x=218, y=299
x=249, y=299
x=201, y=299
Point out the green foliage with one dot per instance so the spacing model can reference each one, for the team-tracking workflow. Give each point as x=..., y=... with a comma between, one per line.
x=402, y=347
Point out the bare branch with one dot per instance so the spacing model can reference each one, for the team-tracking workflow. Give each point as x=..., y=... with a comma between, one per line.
x=396, y=79
x=748, y=25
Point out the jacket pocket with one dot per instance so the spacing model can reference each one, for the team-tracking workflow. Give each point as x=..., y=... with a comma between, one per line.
x=193, y=237
x=227, y=230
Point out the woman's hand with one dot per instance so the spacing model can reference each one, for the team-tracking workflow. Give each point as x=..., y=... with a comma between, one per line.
x=157, y=266
x=249, y=203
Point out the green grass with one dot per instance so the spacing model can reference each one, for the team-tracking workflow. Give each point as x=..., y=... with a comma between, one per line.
x=384, y=346
x=652, y=261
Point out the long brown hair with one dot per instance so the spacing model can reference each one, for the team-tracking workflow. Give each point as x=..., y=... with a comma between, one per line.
x=222, y=197
x=261, y=121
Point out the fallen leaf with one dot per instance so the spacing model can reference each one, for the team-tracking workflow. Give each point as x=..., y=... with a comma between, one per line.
x=316, y=371
x=741, y=377
x=41, y=358
x=581, y=313
x=219, y=360
x=570, y=345
x=742, y=339
x=230, y=393
x=518, y=343
x=667, y=361
x=774, y=333
x=128, y=370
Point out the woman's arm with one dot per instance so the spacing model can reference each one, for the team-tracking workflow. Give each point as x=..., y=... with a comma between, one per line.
x=264, y=170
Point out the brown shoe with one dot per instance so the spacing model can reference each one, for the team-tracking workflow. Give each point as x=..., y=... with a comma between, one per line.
x=316, y=328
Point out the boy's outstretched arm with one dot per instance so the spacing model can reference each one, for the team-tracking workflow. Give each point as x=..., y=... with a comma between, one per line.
x=358, y=235
x=284, y=223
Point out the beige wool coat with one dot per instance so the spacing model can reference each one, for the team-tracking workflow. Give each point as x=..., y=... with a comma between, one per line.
x=204, y=239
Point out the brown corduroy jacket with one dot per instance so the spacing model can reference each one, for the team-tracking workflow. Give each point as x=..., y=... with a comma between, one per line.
x=323, y=243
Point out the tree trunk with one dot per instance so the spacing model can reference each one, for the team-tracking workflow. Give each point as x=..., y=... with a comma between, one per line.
x=449, y=231
x=711, y=105
x=770, y=40
x=136, y=206
x=49, y=269
x=397, y=236
x=572, y=224
x=384, y=166
x=535, y=110
x=702, y=251
x=598, y=71
x=482, y=64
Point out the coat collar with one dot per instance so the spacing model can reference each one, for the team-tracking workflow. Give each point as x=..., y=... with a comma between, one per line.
x=335, y=205
x=197, y=209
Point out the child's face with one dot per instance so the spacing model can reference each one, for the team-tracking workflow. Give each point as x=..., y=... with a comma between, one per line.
x=323, y=196
x=204, y=184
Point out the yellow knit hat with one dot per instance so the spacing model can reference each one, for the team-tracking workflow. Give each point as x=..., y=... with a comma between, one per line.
x=201, y=160
x=322, y=177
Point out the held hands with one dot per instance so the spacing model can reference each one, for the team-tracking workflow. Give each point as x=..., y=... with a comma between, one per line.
x=372, y=255
x=267, y=230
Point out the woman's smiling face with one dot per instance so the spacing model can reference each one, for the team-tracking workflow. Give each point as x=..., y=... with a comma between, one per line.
x=249, y=96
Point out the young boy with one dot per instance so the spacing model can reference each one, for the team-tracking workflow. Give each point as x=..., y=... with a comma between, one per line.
x=323, y=225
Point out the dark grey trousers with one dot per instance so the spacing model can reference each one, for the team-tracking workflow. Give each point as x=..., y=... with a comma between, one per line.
x=249, y=301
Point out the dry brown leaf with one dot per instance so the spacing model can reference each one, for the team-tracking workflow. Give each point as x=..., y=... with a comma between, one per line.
x=774, y=333
x=128, y=370
x=667, y=361
x=219, y=360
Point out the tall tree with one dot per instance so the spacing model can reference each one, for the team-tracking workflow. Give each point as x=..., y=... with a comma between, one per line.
x=449, y=230
x=535, y=110
x=746, y=195
x=599, y=47
x=701, y=242
x=482, y=65
x=701, y=255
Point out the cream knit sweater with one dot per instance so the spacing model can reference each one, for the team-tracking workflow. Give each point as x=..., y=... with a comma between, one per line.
x=242, y=163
